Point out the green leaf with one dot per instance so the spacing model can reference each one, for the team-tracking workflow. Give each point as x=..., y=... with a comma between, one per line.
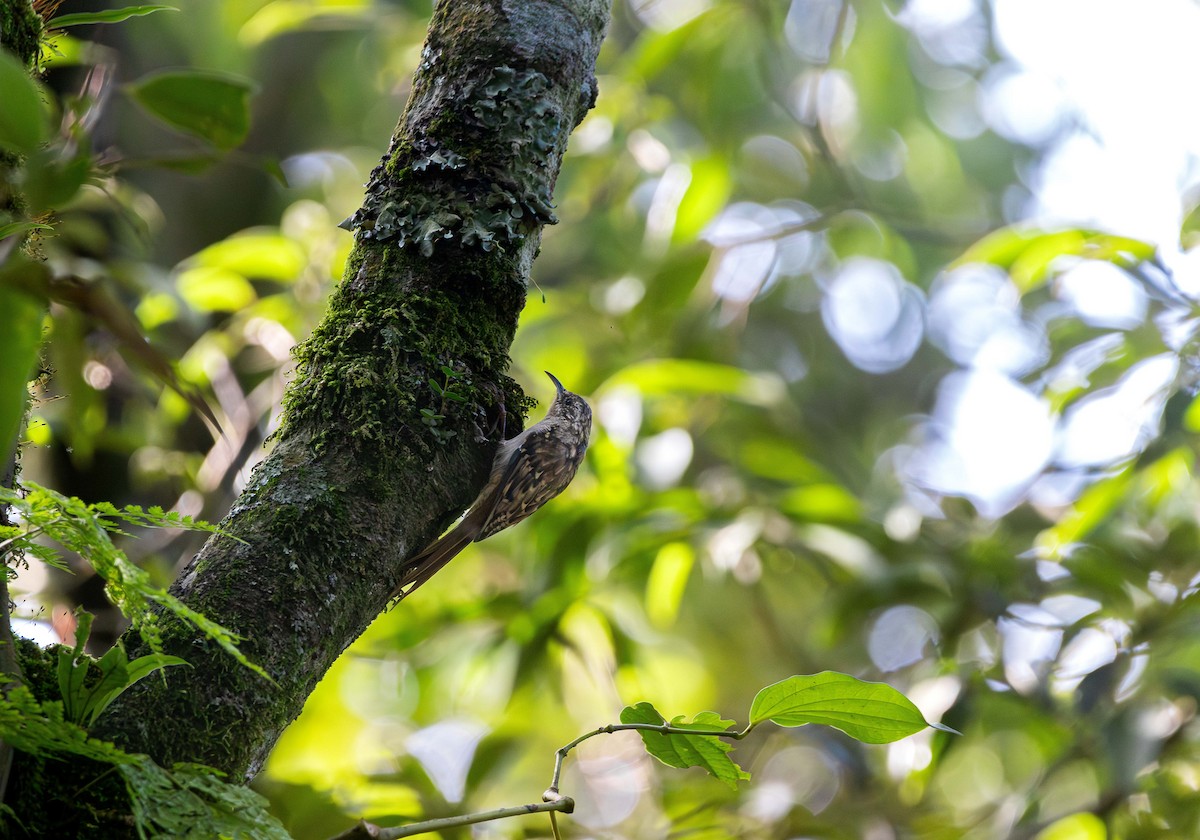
x=84, y=530
x=1081, y=826
x=121, y=678
x=1189, y=230
x=683, y=751
x=687, y=376
x=282, y=16
x=211, y=289
x=822, y=503
x=20, y=337
x=212, y=106
x=269, y=256
x=667, y=581
x=73, y=668
x=84, y=696
x=1028, y=254
x=874, y=713
x=106, y=16
x=15, y=228
x=40, y=729
x=1093, y=508
x=191, y=801
x=707, y=193
x=22, y=120
x=52, y=180
x=114, y=678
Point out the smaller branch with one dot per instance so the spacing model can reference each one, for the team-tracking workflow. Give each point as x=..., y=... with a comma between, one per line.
x=367, y=831
x=661, y=728
x=552, y=801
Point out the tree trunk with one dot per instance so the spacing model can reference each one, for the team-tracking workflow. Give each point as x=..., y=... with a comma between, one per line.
x=359, y=478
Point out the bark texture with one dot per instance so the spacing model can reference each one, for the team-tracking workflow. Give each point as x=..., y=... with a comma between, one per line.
x=359, y=478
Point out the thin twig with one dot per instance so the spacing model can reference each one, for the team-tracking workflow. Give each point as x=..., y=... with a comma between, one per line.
x=661, y=728
x=367, y=831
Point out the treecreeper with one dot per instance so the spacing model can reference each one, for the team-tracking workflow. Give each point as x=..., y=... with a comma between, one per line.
x=528, y=471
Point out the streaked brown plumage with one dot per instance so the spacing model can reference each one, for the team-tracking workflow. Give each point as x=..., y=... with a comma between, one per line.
x=527, y=471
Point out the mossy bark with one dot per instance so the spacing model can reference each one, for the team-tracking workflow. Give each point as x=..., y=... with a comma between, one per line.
x=360, y=478
x=20, y=34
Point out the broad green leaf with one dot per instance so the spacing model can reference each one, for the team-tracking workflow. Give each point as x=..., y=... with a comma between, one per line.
x=1082, y=826
x=114, y=678
x=678, y=750
x=212, y=106
x=51, y=181
x=1091, y=509
x=1028, y=253
x=15, y=228
x=1191, y=417
x=874, y=713
x=123, y=677
x=822, y=503
x=61, y=50
x=687, y=376
x=21, y=316
x=106, y=16
x=707, y=193
x=282, y=16
x=667, y=581
x=265, y=255
x=73, y=668
x=22, y=119
x=209, y=289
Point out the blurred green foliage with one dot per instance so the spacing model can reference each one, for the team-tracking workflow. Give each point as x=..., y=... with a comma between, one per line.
x=770, y=277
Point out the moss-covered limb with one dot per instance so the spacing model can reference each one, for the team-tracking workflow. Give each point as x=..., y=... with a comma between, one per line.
x=20, y=34
x=374, y=459
x=20, y=30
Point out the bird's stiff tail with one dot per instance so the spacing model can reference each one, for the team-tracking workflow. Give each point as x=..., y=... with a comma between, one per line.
x=424, y=565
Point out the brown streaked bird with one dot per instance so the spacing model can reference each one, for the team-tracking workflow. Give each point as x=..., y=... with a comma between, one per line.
x=528, y=471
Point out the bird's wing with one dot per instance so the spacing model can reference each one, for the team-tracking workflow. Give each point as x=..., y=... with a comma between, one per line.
x=540, y=468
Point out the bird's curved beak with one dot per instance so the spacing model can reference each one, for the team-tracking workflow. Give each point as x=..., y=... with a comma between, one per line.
x=557, y=384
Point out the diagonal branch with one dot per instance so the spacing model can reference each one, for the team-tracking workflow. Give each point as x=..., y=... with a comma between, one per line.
x=357, y=482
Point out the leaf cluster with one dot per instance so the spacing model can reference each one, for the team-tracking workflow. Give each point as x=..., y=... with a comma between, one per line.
x=186, y=801
x=874, y=713
x=86, y=530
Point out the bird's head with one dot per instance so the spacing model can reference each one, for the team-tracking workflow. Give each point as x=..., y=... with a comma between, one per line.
x=569, y=406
